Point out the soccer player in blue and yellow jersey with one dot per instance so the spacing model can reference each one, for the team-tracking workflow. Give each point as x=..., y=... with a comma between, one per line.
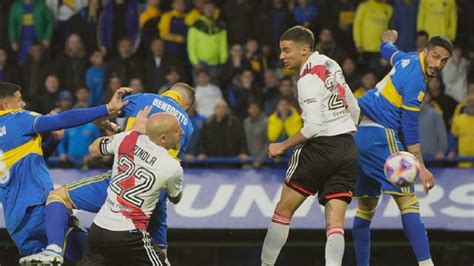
x=24, y=179
x=390, y=113
x=89, y=194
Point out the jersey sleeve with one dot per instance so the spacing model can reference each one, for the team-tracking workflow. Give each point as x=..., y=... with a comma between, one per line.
x=109, y=145
x=26, y=123
x=131, y=108
x=390, y=53
x=174, y=184
x=310, y=91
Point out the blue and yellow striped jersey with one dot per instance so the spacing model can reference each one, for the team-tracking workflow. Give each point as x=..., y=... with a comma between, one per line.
x=401, y=90
x=25, y=179
x=168, y=102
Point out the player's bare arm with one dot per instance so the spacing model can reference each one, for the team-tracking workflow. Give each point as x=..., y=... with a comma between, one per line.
x=276, y=149
x=426, y=177
x=94, y=148
x=390, y=36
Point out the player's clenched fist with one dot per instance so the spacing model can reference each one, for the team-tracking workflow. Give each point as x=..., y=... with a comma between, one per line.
x=390, y=36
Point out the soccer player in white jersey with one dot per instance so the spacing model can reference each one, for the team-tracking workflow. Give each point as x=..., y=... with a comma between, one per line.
x=142, y=167
x=324, y=159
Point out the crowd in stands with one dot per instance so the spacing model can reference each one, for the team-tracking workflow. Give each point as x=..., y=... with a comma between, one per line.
x=76, y=53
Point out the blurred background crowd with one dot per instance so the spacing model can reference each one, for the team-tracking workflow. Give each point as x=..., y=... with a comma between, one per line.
x=76, y=53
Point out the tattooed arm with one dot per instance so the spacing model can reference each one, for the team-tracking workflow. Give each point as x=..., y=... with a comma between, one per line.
x=426, y=177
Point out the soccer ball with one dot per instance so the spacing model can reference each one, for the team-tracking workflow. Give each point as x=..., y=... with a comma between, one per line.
x=401, y=168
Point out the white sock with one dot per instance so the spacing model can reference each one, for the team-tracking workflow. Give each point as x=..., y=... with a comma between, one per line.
x=55, y=248
x=276, y=238
x=334, y=246
x=427, y=262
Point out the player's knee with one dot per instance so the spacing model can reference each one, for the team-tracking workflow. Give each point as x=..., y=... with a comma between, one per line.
x=408, y=204
x=59, y=195
x=367, y=204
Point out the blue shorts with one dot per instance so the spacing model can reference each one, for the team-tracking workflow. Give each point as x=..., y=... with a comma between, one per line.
x=30, y=235
x=89, y=194
x=374, y=145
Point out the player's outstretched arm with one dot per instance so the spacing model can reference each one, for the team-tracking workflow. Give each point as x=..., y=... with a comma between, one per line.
x=77, y=117
x=388, y=50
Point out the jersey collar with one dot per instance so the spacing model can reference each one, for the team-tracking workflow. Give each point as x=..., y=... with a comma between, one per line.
x=305, y=65
x=422, y=63
x=4, y=112
x=174, y=95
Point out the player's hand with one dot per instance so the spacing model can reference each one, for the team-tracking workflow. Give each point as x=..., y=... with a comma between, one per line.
x=58, y=134
x=110, y=126
x=116, y=103
x=390, y=36
x=141, y=120
x=275, y=149
x=427, y=179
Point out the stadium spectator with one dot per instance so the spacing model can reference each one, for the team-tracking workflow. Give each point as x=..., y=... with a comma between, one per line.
x=433, y=136
x=193, y=15
x=66, y=9
x=8, y=72
x=421, y=40
x=240, y=16
x=222, y=135
x=287, y=90
x=284, y=122
x=172, y=76
x=349, y=69
x=305, y=13
x=242, y=91
x=207, y=94
x=404, y=22
x=118, y=20
x=71, y=65
x=74, y=148
x=253, y=56
x=339, y=15
x=455, y=75
x=33, y=71
x=151, y=11
x=442, y=102
x=149, y=19
x=270, y=90
x=48, y=100
x=368, y=81
x=29, y=21
x=234, y=65
x=4, y=10
x=269, y=57
x=95, y=78
x=157, y=65
x=438, y=18
x=113, y=84
x=82, y=97
x=65, y=102
x=207, y=42
x=274, y=19
x=198, y=121
x=127, y=64
x=461, y=107
x=136, y=84
x=327, y=45
x=462, y=133
x=255, y=126
x=173, y=31
x=85, y=23
x=371, y=20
